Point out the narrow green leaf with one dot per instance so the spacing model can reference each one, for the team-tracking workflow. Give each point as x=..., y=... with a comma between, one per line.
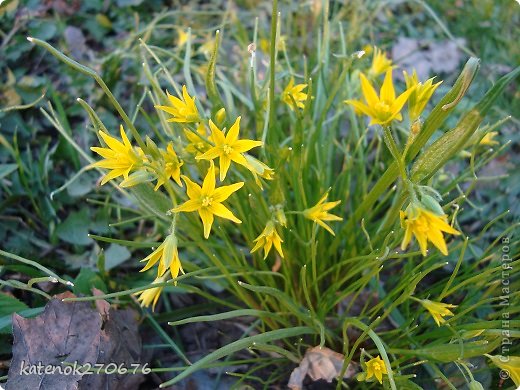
x=222, y=316
x=239, y=345
x=451, y=352
x=442, y=150
x=7, y=169
x=211, y=86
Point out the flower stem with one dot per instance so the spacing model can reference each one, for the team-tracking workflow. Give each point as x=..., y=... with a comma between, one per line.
x=272, y=65
x=399, y=158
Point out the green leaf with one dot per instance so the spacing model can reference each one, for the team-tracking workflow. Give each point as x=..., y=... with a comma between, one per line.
x=10, y=305
x=43, y=29
x=239, y=345
x=211, y=86
x=223, y=316
x=87, y=279
x=6, y=322
x=74, y=229
x=7, y=169
x=128, y=3
x=452, y=352
x=153, y=201
x=115, y=255
x=81, y=186
x=451, y=143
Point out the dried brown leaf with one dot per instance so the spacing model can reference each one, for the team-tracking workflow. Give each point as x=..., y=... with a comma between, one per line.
x=320, y=364
x=69, y=333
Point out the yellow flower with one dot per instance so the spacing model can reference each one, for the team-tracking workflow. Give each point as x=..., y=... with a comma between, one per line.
x=381, y=109
x=119, y=157
x=267, y=239
x=421, y=94
x=228, y=147
x=380, y=63
x=376, y=367
x=183, y=111
x=489, y=139
x=197, y=145
x=438, y=310
x=151, y=296
x=425, y=226
x=318, y=213
x=258, y=168
x=265, y=44
x=293, y=95
x=182, y=37
x=510, y=365
x=170, y=167
x=207, y=200
x=168, y=257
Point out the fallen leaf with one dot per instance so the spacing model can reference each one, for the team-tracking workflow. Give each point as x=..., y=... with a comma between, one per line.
x=320, y=364
x=64, y=332
x=69, y=333
x=102, y=306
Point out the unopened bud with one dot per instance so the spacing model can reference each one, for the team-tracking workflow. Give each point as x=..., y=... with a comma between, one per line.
x=220, y=116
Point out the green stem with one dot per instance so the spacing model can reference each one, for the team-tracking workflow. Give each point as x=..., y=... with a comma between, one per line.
x=392, y=146
x=399, y=158
x=272, y=65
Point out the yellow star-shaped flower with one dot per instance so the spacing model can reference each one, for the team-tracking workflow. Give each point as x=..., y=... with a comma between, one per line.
x=170, y=167
x=422, y=92
x=380, y=63
x=119, y=157
x=151, y=296
x=384, y=108
x=182, y=111
x=489, y=139
x=293, y=95
x=319, y=213
x=425, y=226
x=167, y=255
x=376, y=367
x=228, y=147
x=267, y=239
x=207, y=200
x=438, y=310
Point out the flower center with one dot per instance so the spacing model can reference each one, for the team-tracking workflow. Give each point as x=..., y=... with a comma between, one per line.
x=227, y=149
x=376, y=366
x=383, y=106
x=206, y=201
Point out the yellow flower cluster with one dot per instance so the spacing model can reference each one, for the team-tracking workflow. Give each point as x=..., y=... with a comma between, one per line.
x=386, y=107
x=203, y=140
x=138, y=166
